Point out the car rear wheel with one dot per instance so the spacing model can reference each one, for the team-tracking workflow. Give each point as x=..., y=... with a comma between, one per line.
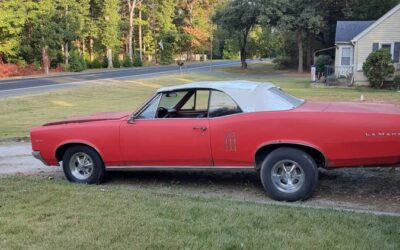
x=289, y=174
x=83, y=165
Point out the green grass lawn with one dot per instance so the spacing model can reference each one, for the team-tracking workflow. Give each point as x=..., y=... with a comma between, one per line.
x=18, y=114
x=38, y=213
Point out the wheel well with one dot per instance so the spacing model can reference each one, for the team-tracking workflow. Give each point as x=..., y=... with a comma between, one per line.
x=261, y=153
x=62, y=149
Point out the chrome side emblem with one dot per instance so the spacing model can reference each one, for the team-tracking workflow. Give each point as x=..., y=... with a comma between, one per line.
x=230, y=141
x=375, y=134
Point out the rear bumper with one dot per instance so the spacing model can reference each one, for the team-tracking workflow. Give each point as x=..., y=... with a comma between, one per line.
x=38, y=156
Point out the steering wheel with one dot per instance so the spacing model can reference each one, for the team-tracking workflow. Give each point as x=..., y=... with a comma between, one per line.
x=162, y=112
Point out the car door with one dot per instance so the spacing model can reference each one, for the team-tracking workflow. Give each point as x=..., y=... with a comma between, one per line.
x=150, y=141
x=229, y=132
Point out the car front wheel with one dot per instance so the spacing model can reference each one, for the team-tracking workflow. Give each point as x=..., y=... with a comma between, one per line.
x=289, y=174
x=83, y=165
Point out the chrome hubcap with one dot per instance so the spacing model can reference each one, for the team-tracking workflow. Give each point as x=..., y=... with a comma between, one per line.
x=81, y=166
x=287, y=176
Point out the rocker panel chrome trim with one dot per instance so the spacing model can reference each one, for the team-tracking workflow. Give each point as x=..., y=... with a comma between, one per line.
x=176, y=168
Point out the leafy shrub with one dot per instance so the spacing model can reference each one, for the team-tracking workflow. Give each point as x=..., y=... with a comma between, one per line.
x=378, y=67
x=321, y=61
x=37, y=65
x=20, y=62
x=282, y=62
x=137, y=62
x=104, y=63
x=76, y=62
x=230, y=55
x=116, y=61
x=65, y=67
x=396, y=82
x=127, y=62
x=95, y=64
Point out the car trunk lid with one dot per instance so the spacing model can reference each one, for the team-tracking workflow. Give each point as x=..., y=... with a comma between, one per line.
x=350, y=107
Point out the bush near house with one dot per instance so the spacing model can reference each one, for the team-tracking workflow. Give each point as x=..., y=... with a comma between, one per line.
x=320, y=63
x=396, y=82
x=378, y=67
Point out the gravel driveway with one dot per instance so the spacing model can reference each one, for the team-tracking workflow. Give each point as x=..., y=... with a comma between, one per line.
x=16, y=158
x=366, y=189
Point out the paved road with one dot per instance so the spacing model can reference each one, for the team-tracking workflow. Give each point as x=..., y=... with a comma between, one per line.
x=43, y=82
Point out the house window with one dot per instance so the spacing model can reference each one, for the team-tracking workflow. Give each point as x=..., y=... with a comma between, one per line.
x=387, y=46
x=346, y=54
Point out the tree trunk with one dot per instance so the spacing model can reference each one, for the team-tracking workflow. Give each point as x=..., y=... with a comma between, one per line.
x=243, y=44
x=109, y=59
x=310, y=40
x=83, y=48
x=45, y=60
x=91, y=49
x=300, y=49
x=66, y=51
x=130, y=46
x=131, y=6
x=153, y=33
x=243, y=58
x=140, y=33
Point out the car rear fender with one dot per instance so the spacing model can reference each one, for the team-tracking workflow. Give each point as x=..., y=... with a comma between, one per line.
x=266, y=148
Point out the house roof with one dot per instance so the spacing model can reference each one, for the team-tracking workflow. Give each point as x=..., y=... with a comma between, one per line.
x=250, y=96
x=347, y=30
x=380, y=20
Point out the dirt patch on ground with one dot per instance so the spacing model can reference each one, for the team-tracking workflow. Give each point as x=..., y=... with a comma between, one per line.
x=375, y=189
x=371, y=189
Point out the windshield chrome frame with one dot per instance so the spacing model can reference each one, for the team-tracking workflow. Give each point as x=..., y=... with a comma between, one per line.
x=145, y=105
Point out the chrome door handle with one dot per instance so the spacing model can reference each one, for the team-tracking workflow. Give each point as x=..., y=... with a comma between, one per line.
x=200, y=128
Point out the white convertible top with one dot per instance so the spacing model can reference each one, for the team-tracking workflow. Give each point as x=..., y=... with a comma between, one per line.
x=250, y=96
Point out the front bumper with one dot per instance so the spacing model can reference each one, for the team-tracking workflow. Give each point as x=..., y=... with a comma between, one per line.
x=38, y=156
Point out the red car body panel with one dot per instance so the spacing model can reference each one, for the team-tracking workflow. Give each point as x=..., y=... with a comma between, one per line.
x=347, y=134
x=169, y=142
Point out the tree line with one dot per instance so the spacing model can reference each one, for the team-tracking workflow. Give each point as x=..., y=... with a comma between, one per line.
x=108, y=33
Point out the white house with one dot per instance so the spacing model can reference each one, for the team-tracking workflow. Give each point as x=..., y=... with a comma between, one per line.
x=355, y=40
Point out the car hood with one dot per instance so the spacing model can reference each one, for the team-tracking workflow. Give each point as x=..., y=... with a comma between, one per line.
x=94, y=117
x=350, y=107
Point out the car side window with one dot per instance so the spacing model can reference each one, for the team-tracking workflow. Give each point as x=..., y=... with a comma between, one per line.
x=171, y=99
x=221, y=104
x=150, y=111
x=198, y=101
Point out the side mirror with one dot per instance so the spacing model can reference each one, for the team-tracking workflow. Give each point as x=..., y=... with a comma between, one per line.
x=131, y=119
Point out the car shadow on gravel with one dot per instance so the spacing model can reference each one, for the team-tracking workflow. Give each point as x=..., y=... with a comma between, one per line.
x=375, y=189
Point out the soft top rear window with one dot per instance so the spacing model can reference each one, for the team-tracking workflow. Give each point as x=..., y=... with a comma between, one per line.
x=293, y=101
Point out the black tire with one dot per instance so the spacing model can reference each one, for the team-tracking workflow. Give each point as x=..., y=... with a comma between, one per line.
x=94, y=176
x=303, y=165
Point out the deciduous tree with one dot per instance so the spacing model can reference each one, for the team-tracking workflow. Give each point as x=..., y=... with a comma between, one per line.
x=12, y=20
x=238, y=17
x=110, y=28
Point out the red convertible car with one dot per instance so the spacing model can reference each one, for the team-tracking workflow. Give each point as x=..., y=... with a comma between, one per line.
x=226, y=125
